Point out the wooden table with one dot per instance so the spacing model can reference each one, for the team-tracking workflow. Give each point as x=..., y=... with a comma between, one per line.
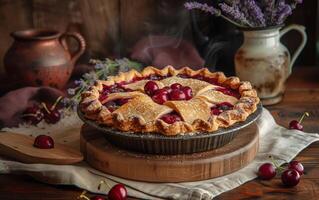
x=302, y=95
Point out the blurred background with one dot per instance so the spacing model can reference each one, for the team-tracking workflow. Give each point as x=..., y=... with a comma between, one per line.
x=122, y=28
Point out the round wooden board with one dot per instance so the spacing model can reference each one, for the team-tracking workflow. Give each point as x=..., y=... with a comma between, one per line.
x=101, y=155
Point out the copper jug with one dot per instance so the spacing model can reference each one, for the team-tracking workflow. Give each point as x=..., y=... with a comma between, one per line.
x=41, y=57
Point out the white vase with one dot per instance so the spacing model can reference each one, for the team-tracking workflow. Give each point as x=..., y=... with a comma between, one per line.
x=265, y=62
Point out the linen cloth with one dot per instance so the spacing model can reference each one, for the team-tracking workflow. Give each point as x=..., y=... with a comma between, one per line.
x=277, y=141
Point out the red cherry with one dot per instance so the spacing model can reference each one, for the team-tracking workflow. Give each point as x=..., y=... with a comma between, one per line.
x=188, y=92
x=33, y=115
x=177, y=95
x=43, y=142
x=296, y=166
x=117, y=192
x=294, y=124
x=176, y=86
x=171, y=118
x=151, y=87
x=53, y=117
x=164, y=90
x=290, y=177
x=215, y=111
x=160, y=97
x=32, y=110
x=97, y=198
x=267, y=171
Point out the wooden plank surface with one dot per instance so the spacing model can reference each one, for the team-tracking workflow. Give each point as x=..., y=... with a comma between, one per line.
x=302, y=95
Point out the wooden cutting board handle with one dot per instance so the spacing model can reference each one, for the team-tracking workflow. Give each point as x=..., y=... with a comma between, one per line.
x=20, y=147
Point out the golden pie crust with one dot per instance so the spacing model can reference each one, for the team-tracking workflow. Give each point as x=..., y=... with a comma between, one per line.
x=142, y=115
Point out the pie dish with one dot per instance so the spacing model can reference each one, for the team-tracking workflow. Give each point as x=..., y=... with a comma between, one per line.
x=169, y=101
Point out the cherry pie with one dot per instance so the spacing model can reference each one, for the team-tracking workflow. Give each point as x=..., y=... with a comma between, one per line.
x=169, y=101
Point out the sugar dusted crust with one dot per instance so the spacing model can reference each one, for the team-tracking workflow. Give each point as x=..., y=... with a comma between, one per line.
x=127, y=117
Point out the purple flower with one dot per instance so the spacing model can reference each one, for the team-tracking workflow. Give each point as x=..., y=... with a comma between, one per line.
x=71, y=91
x=254, y=13
x=283, y=11
x=203, y=7
x=234, y=13
x=268, y=7
x=98, y=66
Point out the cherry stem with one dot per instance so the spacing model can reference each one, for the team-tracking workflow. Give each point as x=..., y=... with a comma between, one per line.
x=56, y=102
x=45, y=107
x=303, y=116
x=279, y=168
x=83, y=196
x=103, y=182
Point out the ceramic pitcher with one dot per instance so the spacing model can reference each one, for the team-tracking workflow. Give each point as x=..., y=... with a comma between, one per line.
x=41, y=57
x=265, y=62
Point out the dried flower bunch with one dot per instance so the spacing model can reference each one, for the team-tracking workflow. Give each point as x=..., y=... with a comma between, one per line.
x=250, y=13
x=102, y=69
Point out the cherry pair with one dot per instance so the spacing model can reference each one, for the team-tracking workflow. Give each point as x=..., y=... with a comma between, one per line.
x=175, y=92
x=37, y=113
x=289, y=177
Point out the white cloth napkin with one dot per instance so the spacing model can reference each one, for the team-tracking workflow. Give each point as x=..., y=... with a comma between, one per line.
x=277, y=141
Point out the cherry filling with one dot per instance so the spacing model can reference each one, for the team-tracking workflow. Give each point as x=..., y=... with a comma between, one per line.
x=221, y=107
x=176, y=92
x=229, y=91
x=171, y=118
x=108, y=89
x=113, y=105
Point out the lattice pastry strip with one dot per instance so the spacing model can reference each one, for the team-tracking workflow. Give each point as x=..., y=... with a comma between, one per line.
x=191, y=110
x=143, y=108
x=215, y=97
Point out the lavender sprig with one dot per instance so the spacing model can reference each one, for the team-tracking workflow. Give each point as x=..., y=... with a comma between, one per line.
x=102, y=69
x=202, y=6
x=283, y=11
